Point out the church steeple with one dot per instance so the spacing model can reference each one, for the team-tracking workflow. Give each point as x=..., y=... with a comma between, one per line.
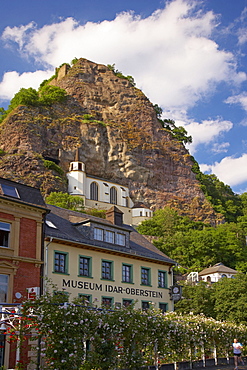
x=76, y=176
x=77, y=155
x=77, y=165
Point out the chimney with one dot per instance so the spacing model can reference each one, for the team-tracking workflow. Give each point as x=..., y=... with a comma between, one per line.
x=115, y=216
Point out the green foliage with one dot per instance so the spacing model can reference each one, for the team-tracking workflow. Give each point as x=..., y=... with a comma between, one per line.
x=74, y=61
x=120, y=75
x=195, y=245
x=221, y=196
x=27, y=97
x=179, y=133
x=230, y=297
x=224, y=300
x=3, y=114
x=65, y=200
x=158, y=110
x=121, y=339
x=89, y=118
x=197, y=299
x=49, y=95
x=53, y=166
x=96, y=212
x=2, y=152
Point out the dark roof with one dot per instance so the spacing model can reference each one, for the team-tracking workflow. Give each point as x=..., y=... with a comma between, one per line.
x=66, y=230
x=25, y=193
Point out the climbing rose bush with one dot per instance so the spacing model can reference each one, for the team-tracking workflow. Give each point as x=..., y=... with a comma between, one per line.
x=73, y=336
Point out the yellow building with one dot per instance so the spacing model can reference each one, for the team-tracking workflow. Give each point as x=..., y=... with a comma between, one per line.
x=105, y=261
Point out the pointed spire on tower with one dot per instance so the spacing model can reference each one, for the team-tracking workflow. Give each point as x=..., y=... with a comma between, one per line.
x=77, y=156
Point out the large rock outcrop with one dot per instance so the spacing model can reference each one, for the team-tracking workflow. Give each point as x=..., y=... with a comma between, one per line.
x=119, y=137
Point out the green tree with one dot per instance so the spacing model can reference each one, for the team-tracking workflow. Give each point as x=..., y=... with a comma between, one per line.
x=65, y=200
x=230, y=296
x=197, y=299
x=195, y=245
x=49, y=95
x=3, y=114
x=74, y=61
x=119, y=74
x=27, y=97
x=158, y=110
x=221, y=196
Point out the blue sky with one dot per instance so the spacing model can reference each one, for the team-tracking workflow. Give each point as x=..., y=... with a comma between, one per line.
x=189, y=57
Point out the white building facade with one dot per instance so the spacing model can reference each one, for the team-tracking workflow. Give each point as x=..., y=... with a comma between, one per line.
x=103, y=194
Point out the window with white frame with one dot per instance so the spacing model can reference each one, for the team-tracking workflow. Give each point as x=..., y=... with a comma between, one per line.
x=109, y=236
x=98, y=233
x=120, y=239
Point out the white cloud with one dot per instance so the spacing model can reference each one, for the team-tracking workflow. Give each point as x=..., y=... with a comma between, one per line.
x=232, y=171
x=206, y=132
x=240, y=99
x=220, y=148
x=170, y=53
x=18, y=34
x=12, y=82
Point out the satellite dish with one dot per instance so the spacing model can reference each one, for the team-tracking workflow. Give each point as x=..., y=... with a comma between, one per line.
x=18, y=295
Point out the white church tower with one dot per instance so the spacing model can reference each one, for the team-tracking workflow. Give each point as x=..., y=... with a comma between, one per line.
x=76, y=177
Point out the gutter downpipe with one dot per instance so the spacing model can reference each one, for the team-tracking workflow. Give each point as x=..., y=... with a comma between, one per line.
x=46, y=261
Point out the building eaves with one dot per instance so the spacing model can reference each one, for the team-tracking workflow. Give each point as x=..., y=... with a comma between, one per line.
x=67, y=231
x=27, y=194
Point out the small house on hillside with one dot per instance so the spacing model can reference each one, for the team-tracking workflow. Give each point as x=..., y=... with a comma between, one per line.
x=216, y=272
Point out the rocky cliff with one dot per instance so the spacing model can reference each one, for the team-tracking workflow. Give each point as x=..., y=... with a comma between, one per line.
x=119, y=137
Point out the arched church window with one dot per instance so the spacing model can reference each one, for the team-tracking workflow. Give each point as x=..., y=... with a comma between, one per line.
x=113, y=195
x=94, y=190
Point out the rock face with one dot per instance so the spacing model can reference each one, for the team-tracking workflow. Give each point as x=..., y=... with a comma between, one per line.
x=119, y=138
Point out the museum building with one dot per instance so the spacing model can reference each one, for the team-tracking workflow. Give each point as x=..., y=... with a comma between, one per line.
x=104, y=261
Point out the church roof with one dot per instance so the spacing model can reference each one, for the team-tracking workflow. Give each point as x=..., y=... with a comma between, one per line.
x=218, y=267
x=140, y=205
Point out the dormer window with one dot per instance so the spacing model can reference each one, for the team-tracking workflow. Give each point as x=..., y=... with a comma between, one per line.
x=120, y=239
x=10, y=191
x=98, y=233
x=109, y=236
